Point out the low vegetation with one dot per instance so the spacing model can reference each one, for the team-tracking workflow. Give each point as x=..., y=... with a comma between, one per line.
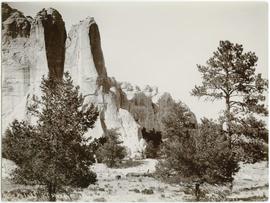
x=111, y=152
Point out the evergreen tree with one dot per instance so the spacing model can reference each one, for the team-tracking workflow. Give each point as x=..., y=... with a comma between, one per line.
x=111, y=151
x=53, y=152
x=195, y=154
x=179, y=145
x=218, y=161
x=230, y=76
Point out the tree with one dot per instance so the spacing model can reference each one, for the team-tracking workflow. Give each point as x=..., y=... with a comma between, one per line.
x=252, y=147
x=230, y=76
x=111, y=151
x=179, y=146
x=218, y=161
x=53, y=152
x=95, y=145
x=195, y=154
x=251, y=127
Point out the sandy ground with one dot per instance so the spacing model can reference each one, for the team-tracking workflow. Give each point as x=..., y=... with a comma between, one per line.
x=131, y=184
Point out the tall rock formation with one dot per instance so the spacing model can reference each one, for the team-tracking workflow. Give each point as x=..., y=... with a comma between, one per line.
x=35, y=47
x=26, y=58
x=85, y=62
x=47, y=46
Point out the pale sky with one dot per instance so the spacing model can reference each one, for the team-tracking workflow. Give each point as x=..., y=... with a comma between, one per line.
x=160, y=43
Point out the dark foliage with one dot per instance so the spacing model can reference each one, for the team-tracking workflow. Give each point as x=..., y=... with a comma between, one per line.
x=152, y=135
x=195, y=154
x=53, y=151
x=111, y=152
x=218, y=162
x=252, y=128
x=229, y=75
x=95, y=146
x=251, y=150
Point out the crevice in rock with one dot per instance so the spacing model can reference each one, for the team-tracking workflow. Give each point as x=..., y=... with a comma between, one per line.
x=55, y=38
x=96, y=50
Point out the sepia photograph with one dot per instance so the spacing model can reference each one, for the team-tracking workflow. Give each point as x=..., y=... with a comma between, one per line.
x=134, y=101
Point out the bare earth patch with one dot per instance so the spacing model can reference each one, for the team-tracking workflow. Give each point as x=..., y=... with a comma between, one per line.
x=135, y=185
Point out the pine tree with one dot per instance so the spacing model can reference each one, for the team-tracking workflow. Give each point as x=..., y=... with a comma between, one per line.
x=230, y=76
x=195, y=154
x=53, y=152
x=179, y=147
x=218, y=162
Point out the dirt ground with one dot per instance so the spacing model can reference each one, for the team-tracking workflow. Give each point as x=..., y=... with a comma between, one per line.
x=135, y=184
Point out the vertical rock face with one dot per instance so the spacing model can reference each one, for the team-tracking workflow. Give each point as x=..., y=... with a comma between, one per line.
x=32, y=48
x=85, y=62
x=28, y=57
x=48, y=36
x=79, y=59
x=96, y=50
x=55, y=38
x=15, y=74
x=15, y=61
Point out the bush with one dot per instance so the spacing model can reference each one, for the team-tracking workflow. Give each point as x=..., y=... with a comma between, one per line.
x=147, y=191
x=251, y=151
x=111, y=152
x=95, y=145
x=84, y=180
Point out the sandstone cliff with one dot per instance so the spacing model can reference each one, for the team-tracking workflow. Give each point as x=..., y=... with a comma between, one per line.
x=35, y=47
x=26, y=58
x=85, y=62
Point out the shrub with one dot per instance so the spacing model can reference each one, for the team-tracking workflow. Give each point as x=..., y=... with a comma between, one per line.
x=111, y=151
x=147, y=191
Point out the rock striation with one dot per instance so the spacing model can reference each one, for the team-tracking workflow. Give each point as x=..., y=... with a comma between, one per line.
x=15, y=60
x=35, y=47
x=85, y=62
x=27, y=58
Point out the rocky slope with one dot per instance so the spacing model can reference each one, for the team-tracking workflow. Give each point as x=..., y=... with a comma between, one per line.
x=40, y=46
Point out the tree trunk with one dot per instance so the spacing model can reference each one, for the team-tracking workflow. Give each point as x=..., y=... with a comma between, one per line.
x=197, y=191
x=228, y=121
x=52, y=193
